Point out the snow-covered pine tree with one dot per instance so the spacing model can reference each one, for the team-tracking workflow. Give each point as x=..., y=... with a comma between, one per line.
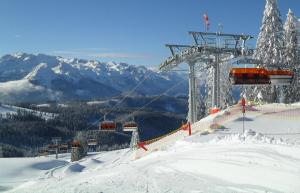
x=208, y=89
x=269, y=47
x=292, y=93
x=226, y=87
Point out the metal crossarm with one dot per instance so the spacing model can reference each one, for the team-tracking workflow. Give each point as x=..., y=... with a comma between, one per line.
x=202, y=38
x=173, y=48
x=209, y=49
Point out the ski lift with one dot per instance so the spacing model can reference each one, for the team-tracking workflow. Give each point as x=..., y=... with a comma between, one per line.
x=108, y=126
x=249, y=76
x=105, y=125
x=76, y=143
x=260, y=76
x=281, y=77
x=130, y=126
x=51, y=147
x=92, y=142
x=63, y=148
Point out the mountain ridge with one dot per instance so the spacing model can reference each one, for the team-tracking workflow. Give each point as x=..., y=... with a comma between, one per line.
x=36, y=78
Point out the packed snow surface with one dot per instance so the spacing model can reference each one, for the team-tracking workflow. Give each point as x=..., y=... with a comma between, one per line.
x=10, y=109
x=264, y=158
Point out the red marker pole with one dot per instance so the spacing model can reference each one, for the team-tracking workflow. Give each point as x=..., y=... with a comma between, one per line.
x=243, y=102
x=187, y=127
x=243, y=111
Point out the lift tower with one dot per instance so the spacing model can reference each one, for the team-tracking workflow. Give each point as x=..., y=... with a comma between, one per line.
x=208, y=50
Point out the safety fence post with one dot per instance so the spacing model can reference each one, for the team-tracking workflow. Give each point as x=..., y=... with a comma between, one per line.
x=190, y=129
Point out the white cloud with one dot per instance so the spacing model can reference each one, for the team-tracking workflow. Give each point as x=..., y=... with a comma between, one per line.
x=119, y=55
x=95, y=54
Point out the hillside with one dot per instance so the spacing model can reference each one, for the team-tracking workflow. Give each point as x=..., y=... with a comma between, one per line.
x=28, y=128
x=39, y=78
x=13, y=110
x=263, y=159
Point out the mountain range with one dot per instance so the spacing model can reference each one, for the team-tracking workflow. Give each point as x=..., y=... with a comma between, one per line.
x=37, y=78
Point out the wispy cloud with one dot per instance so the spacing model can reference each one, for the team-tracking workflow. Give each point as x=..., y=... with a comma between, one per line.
x=18, y=36
x=98, y=54
x=120, y=55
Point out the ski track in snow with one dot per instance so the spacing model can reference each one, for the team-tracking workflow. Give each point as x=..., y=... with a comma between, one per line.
x=225, y=161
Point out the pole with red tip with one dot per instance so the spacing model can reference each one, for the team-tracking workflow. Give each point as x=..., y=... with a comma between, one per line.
x=243, y=111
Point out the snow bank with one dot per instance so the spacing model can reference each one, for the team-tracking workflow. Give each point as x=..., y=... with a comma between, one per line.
x=16, y=171
x=249, y=136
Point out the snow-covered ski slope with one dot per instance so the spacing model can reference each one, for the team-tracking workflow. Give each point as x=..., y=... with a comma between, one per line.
x=5, y=109
x=263, y=159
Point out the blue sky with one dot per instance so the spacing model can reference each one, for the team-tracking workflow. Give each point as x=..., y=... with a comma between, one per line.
x=132, y=31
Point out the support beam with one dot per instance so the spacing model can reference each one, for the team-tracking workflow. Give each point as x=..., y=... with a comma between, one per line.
x=214, y=87
x=218, y=82
x=174, y=47
x=216, y=93
x=193, y=112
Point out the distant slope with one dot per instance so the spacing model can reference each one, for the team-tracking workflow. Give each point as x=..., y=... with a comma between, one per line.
x=39, y=78
x=10, y=109
x=25, y=130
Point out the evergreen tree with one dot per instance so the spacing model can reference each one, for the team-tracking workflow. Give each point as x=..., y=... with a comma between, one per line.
x=208, y=89
x=269, y=48
x=292, y=93
x=225, y=85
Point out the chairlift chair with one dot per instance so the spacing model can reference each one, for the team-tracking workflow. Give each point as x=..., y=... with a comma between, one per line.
x=260, y=76
x=249, y=76
x=107, y=125
x=281, y=77
x=63, y=148
x=51, y=147
x=76, y=143
x=130, y=126
x=92, y=142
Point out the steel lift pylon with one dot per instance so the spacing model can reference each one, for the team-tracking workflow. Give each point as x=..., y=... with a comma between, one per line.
x=208, y=50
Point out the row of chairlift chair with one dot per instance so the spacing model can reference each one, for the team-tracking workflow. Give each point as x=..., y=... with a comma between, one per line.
x=62, y=148
x=111, y=126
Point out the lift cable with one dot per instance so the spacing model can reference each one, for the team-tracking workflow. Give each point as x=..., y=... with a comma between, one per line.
x=156, y=98
x=122, y=100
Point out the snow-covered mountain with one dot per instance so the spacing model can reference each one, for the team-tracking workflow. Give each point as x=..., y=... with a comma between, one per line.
x=28, y=77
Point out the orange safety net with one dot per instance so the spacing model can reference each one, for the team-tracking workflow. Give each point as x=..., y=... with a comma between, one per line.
x=183, y=127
